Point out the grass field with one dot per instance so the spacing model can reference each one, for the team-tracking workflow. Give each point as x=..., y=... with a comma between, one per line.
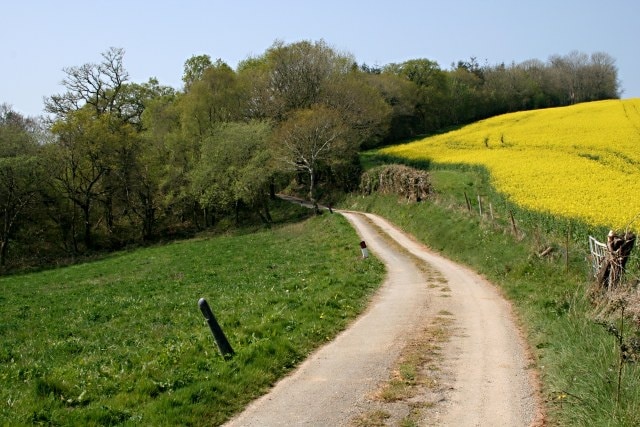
x=580, y=162
x=121, y=340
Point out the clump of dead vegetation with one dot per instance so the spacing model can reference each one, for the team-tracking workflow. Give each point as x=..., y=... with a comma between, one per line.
x=616, y=298
x=614, y=288
x=412, y=184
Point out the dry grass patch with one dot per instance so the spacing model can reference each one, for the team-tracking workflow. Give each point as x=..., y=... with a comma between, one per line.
x=371, y=419
x=419, y=363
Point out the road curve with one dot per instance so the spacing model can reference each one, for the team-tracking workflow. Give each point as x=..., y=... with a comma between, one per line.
x=489, y=382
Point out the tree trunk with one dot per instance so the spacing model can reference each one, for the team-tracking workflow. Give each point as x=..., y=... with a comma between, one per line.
x=72, y=230
x=272, y=189
x=4, y=245
x=5, y=239
x=108, y=207
x=147, y=222
x=148, y=216
x=87, y=226
x=263, y=212
x=267, y=213
x=195, y=215
x=613, y=268
x=312, y=179
x=312, y=191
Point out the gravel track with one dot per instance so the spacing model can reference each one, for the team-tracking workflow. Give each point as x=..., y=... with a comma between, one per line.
x=485, y=375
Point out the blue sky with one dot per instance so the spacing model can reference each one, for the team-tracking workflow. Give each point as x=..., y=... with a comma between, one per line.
x=41, y=37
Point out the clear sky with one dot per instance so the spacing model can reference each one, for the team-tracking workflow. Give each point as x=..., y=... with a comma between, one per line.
x=41, y=37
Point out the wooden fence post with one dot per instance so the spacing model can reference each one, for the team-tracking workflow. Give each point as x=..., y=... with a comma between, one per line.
x=566, y=252
x=468, y=202
x=513, y=224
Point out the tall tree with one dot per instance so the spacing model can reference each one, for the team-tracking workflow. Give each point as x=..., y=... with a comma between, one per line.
x=87, y=117
x=158, y=185
x=99, y=124
x=292, y=80
x=234, y=169
x=602, y=77
x=296, y=75
x=214, y=98
x=464, y=95
x=312, y=138
x=134, y=178
x=570, y=74
x=83, y=155
x=98, y=86
x=194, y=69
x=401, y=96
x=431, y=104
x=361, y=106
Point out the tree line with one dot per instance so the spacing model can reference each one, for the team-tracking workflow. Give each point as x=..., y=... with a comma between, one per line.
x=116, y=162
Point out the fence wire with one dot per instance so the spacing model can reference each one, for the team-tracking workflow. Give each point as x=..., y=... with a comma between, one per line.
x=598, y=253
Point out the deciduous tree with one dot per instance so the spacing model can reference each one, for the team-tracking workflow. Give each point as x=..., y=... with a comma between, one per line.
x=311, y=138
x=97, y=86
x=194, y=69
x=83, y=155
x=235, y=169
x=296, y=76
x=401, y=95
x=214, y=98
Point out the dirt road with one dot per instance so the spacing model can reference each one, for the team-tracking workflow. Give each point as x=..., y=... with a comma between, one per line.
x=483, y=379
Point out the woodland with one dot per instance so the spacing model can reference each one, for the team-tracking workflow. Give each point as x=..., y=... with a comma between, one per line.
x=115, y=163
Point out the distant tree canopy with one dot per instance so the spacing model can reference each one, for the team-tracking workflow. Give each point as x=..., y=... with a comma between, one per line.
x=118, y=162
x=470, y=91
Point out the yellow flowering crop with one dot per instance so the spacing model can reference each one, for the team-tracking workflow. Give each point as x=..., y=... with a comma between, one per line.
x=581, y=161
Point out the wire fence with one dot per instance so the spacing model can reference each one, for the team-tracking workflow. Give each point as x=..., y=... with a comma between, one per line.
x=569, y=235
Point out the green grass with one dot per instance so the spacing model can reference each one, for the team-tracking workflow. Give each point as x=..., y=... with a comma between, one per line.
x=577, y=359
x=121, y=340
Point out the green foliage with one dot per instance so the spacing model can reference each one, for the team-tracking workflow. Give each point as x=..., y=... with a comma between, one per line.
x=422, y=72
x=401, y=96
x=121, y=340
x=233, y=167
x=361, y=107
x=212, y=99
x=168, y=158
x=22, y=175
x=91, y=156
x=194, y=69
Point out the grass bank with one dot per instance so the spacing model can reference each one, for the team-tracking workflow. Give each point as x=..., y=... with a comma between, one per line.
x=577, y=358
x=121, y=340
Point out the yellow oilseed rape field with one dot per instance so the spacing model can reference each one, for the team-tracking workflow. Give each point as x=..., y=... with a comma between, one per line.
x=581, y=161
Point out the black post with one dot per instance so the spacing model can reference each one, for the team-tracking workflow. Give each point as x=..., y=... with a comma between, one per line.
x=365, y=251
x=216, y=330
